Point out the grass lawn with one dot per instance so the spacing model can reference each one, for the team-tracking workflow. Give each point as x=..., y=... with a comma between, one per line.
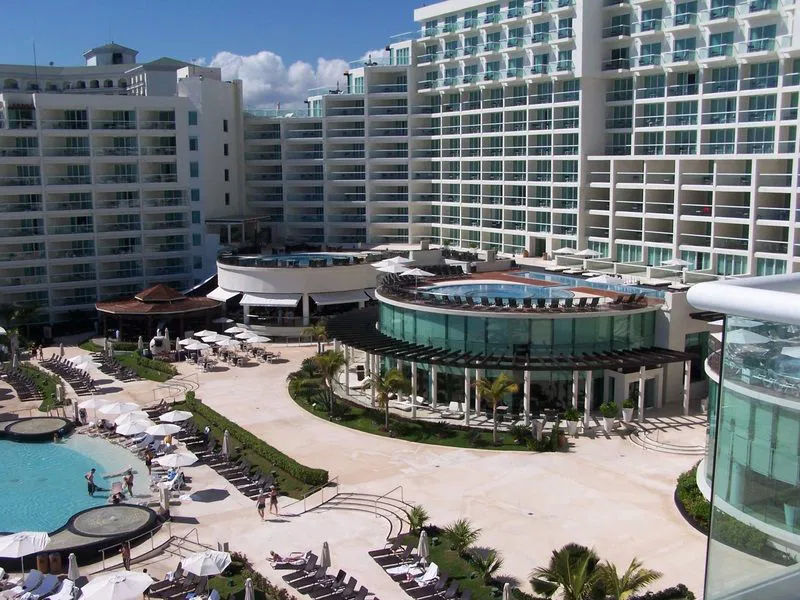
x=292, y=487
x=45, y=383
x=146, y=368
x=455, y=567
x=90, y=346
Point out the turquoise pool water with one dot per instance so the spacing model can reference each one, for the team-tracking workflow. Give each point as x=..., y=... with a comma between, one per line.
x=43, y=486
x=517, y=291
x=579, y=281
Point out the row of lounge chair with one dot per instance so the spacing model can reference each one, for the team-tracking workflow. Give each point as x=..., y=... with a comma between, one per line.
x=313, y=580
x=38, y=586
x=113, y=368
x=23, y=385
x=418, y=579
x=79, y=379
x=178, y=584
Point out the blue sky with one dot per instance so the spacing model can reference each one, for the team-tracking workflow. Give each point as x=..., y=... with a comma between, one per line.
x=211, y=29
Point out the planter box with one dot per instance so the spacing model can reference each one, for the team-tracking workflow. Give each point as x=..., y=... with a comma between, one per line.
x=572, y=428
x=627, y=415
x=608, y=424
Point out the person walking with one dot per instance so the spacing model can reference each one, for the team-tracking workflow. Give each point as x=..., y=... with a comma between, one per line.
x=90, y=482
x=125, y=551
x=148, y=461
x=273, y=499
x=261, y=503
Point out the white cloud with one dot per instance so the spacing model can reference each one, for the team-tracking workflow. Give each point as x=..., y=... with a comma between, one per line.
x=267, y=80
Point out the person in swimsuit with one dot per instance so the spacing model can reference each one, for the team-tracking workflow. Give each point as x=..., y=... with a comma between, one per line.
x=148, y=461
x=261, y=503
x=128, y=482
x=90, y=482
x=273, y=499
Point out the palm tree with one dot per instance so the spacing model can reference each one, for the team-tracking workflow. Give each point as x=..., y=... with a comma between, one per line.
x=304, y=381
x=417, y=517
x=572, y=572
x=317, y=332
x=487, y=563
x=494, y=390
x=392, y=382
x=461, y=535
x=631, y=581
x=329, y=364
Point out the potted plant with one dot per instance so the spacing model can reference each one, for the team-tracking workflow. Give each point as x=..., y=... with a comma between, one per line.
x=791, y=506
x=609, y=410
x=572, y=417
x=627, y=410
x=537, y=427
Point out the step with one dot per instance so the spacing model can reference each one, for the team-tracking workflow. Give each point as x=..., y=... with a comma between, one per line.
x=643, y=441
x=396, y=525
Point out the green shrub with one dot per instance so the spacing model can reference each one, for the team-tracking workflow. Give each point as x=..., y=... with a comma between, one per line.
x=609, y=410
x=189, y=396
x=572, y=414
x=45, y=383
x=629, y=403
x=251, y=442
x=90, y=346
x=520, y=434
x=678, y=592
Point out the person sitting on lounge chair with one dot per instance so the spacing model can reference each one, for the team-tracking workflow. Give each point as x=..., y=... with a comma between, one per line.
x=293, y=559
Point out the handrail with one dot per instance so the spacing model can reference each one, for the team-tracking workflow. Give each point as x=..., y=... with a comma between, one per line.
x=176, y=384
x=379, y=498
x=312, y=491
x=151, y=532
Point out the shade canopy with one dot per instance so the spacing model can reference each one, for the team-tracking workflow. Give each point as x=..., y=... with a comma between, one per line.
x=236, y=329
x=588, y=253
x=244, y=335
x=128, y=585
x=328, y=298
x=93, y=402
x=392, y=268
x=178, y=459
x=565, y=250
x=417, y=273
x=271, y=300
x=118, y=408
x=197, y=346
x=175, y=416
x=186, y=342
x=222, y=295
x=134, y=427
x=258, y=339
x=228, y=344
x=395, y=260
x=17, y=545
x=745, y=337
x=204, y=564
x=162, y=429
x=204, y=333
x=134, y=415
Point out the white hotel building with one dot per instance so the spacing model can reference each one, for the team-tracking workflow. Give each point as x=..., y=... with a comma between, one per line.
x=107, y=174
x=643, y=129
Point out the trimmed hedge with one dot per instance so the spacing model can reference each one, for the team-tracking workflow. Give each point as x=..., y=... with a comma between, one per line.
x=45, y=383
x=249, y=441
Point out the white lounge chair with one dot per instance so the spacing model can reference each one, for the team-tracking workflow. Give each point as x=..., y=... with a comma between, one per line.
x=46, y=587
x=453, y=411
x=430, y=575
x=65, y=592
x=33, y=579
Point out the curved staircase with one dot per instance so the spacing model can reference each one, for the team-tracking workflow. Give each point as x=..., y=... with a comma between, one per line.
x=644, y=440
x=392, y=510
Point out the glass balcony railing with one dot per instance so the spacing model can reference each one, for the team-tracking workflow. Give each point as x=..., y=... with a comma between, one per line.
x=105, y=124
x=681, y=20
x=69, y=180
x=753, y=46
x=687, y=55
x=648, y=60
x=715, y=14
x=20, y=181
x=649, y=26
x=719, y=51
x=617, y=31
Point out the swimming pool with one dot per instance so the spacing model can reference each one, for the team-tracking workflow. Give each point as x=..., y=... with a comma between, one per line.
x=518, y=291
x=303, y=259
x=619, y=288
x=43, y=484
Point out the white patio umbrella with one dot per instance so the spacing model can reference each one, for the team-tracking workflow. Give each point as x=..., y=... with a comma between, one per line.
x=222, y=320
x=248, y=590
x=603, y=279
x=186, y=342
x=587, y=253
x=175, y=416
x=744, y=337
x=162, y=429
x=675, y=262
x=204, y=564
x=423, y=547
x=214, y=339
x=417, y=273
x=325, y=555
x=244, y=335
x=134, y=427
x=226, y=444
x=128, y=585
x=791, y=351
x=235, y=329
x=395, y=260
x=94, y=402
x=204, y=333
x=228, y=344
x=3, y=331
x=135, y=415
x=73, y=572
x=258, y=339
x=197, y=346
x=19, y=545
x=118, y=408
x=177, y=459
x=564, y=250
x=392, y=268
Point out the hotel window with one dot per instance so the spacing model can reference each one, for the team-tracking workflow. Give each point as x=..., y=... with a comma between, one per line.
x=227, y=175
x=699, y=261
x=650, y=54
x=227, y=198
x=358, y=85
x=763, y=75
x=728, y=264
x=194, y=193
x=402, y=56
x=471, y=45
x=565, y=28
x=541, y=32
x=719, y=44
x=564, y=60
x=685, y=13
x=470, y=18
x=431, y=27
x=225, y=149
x=684, y=49
x=628, y=253
x=197, y=263
x=658, y=256
x=225, y=125
x=197, y=240
x=651, y=19
x=192, y=117
x=193, y=144
x=194, y=169
x=770, y=266
x=196, y=217
x=760, y=140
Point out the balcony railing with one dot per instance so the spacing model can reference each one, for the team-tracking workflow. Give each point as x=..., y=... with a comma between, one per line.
x=70, y=229
x=168, y=124
x=65, y=124
x=159, y=151
x=172, y=224
x=617, y=31
x=160, y=178
x=113, y=124
x=122, y=178
x=69, y=180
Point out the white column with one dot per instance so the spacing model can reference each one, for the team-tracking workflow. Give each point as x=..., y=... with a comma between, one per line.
x=526, y=398
x=587, y=401
x=687, y=385
x=246, y=310
x=413, y=390
x=576, y=382
x=434, y=386
x=306, y=310
x=466, y=396
x=367, y=364
x=606, y=386
x=361, y=304
x=376, y=373
x=347, y=357
x=478, y=375
x=641, y=394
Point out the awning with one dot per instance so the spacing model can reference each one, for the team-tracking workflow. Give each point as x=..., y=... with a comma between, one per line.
x=221, y=295
x=273, y=300
x=370, y=292
x=326, y=298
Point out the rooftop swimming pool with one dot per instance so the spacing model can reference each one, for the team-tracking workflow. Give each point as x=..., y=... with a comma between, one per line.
x=567, y=281
x=43, y=486
x=518, y=291
x=300, y=259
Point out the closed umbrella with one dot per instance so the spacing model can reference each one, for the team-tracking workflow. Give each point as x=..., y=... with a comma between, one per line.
x=61, y=349
x=72, y=570
x=162, y=429
x=423, y=547
x=226, y=443
x=118, y=408
x=235, y=329
x=175, y=416
x=129, y=585
x=205, y=564
x=745, y=337
x=204, y=333
x=248, y=590
x=140, y=344
x=507, y=591
x=177, y=459
x=166, y=339
x=19, y=545
x=325, y=556
x=133, y=427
